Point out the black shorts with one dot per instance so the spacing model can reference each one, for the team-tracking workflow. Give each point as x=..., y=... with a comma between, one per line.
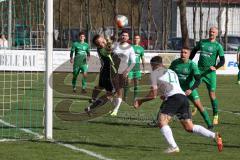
x=177, y=105
x=105, y=80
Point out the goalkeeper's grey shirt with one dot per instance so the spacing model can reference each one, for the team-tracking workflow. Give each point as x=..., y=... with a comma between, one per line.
x=166, y=82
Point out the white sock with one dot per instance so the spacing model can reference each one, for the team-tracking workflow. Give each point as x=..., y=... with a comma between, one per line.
x=117, y=104
x=167, y=133
x=203, y=131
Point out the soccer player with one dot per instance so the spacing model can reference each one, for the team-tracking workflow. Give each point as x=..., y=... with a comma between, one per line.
x=82, y=55
x=124, y=58
x=135, y=73
x=165, y=83
x=210, y=50
x=107, y=66
x=189, y=78
x=238, y=61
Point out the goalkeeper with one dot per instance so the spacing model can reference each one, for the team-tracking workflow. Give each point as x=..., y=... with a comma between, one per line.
x=82, y=54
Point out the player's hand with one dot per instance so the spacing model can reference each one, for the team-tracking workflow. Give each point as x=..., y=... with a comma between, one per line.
x=71, y=60
x=162, y=98
x=137, y=103
x=212, y=68
x=188, y=92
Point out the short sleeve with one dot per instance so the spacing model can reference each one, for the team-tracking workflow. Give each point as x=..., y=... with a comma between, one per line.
x=195, y=69
x=153, y=80
x=132, y=56
x=220, y=51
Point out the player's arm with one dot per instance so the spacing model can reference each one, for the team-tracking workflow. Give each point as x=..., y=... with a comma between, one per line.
x=152, y=94
x=71, y=52
x=194, y=51
x=132, y=58
x=143, y=62
x=197, y=76
x=88, y=53
x=221, y=57
x=238, y=55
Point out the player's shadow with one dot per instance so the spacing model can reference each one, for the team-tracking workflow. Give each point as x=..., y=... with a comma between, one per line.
x=125, y=124
x=118, y=146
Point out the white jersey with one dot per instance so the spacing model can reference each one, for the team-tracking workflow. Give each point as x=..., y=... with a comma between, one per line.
x=126, y=55
x=3, y=43
x=166, y=81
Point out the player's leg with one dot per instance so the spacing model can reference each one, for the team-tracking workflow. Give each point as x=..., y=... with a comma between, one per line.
x=99, y=102
x=84, y=70
x=119, y=82
x=200, y=130
x=96, y=91
x=76, y=70
x=167, y=110
x=166, y=131
x=127, y=85
x=184, y=116
x=194, y=97
x=211, y=82
x=136, y=83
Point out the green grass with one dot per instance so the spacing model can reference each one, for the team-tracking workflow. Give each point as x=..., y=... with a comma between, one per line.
x=126, y=136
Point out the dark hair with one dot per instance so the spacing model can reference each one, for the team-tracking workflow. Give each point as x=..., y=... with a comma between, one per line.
x=156, y=60
x=124, y=31
x=95, y=38
x=187, y=48
x=137, y=35
x=81, y=33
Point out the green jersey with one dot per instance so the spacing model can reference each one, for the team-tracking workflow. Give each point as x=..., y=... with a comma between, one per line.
x=209, y=52
x=81, y=51
x=185, y=72
x=139, y=52
x=238, y=50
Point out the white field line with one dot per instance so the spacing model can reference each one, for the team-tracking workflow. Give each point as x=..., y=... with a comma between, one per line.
x=72, y=147
x=230, y=112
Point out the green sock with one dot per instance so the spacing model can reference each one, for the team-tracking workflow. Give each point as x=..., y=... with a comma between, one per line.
x=84, y=83
x=215, y=107
x=238, y=75
x=206, y=117
x=74, y=82
x=135, y=91
x=126, y=89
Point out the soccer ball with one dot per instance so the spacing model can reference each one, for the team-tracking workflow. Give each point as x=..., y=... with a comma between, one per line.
x=122, y=21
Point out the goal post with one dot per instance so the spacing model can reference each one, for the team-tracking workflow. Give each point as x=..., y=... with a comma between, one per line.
x=49, y=71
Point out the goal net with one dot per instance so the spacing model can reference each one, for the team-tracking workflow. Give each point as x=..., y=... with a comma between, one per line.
x=22, y=69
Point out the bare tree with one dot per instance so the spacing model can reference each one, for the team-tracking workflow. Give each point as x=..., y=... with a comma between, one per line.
x=226, y=26
x=149, y=11
x=220, y=11
x=167, y=22
x=183, y=20
x=194, y=22
x=201, y=21
x=115, y=12
x=88, y=23
x=208, y=18
x=103, y=14
x=140, y=12
x=69, y=24
x=80, y=14
x=60, y=21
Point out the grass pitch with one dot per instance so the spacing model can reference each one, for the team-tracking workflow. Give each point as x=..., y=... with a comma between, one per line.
x=126, y=136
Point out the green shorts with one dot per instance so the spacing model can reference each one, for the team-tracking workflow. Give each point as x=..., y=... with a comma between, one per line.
x=80, y=69
x=210, y=79
x=135, y=74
